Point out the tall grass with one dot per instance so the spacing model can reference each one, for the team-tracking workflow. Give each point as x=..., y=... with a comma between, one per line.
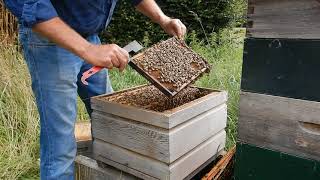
x=19, y=121
x=225, y=55
x=19, y=127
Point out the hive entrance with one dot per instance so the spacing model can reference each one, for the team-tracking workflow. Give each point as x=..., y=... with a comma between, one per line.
x=151, y=98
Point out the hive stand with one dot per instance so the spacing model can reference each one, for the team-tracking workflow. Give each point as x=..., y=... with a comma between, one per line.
x=279, y=125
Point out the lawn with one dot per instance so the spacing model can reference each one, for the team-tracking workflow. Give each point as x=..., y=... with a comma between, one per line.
x=19, y=128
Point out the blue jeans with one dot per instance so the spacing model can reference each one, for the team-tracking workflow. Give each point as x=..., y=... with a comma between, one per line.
x=55, y=74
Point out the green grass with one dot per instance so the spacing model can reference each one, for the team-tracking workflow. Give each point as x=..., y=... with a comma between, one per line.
x=226, y=58
x=19, y=121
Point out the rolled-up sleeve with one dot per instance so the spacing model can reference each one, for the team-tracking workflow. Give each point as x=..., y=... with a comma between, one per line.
x=36, y=11
x=30, y=12
x=136, y=2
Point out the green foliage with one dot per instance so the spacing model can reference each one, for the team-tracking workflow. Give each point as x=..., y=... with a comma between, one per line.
x=225, y=56
x=201, y=16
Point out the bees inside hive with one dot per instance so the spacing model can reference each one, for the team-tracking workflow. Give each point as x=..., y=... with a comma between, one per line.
x=172, y=64
x=150, y=98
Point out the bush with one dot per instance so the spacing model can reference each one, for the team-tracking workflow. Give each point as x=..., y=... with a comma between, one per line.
x=201, y=16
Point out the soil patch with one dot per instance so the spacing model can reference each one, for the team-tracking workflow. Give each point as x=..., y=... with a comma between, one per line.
x=172, y=64
x=151, y=98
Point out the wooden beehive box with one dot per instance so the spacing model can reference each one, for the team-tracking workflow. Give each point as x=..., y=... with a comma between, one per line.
x=160, y=143
x=284, y=124
x=278, y=127
x=279, y=92
x=294, y=19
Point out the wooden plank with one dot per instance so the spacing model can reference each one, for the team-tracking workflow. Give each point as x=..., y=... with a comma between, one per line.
x=141, y=138
x=255, y=163
x=158, y=143
x=192, y=160
x=88, y=169
x=219, y=168
x=167, y=119
x=142, y=115
x=104, y=161
x=282, y=67
x=83, y=137
x=107, y=153
x=205, y=125
x=82, y=131
x=84, y=148
x=294, y=19
x=193, y=109
x=145, y=116
x=129, y=159
x=197, y=173
x=279, y=123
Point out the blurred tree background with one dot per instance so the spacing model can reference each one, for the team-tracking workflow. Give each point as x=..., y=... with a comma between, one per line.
x=202, y=17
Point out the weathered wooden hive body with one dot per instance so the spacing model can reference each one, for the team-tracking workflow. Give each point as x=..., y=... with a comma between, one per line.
x=279, y=126
x=161, y=143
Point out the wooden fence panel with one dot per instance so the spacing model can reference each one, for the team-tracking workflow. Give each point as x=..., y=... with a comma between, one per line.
x=8, y=25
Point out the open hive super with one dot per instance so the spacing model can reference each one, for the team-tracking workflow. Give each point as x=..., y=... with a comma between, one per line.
x=170, y=65
x=151, y=98
x=143, y=132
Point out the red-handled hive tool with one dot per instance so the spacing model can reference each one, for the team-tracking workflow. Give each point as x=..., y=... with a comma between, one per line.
x=134, y=47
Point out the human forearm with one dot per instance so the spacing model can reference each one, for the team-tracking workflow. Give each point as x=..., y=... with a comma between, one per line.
x=150, y=9
x=108, y=56
x=172, y=26
x=60, y=33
